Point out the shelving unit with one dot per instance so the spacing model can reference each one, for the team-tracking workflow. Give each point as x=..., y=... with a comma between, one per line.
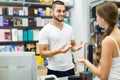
x=23, y=10
x=118, y=4
x=28, y=4
x=95, y=31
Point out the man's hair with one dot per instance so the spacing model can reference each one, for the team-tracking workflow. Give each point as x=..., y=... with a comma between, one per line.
x=57, y=3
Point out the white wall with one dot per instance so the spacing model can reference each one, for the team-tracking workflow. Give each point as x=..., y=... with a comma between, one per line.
x=79, y=22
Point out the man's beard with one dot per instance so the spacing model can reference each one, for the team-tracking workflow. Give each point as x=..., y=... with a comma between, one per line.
x=57, y=19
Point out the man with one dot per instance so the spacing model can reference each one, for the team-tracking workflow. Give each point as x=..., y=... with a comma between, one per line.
x=56, y=42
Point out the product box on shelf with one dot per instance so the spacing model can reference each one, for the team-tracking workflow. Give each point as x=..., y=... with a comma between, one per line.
x=46, y=1
x=16, y=0
x=5, y=35
x=31, y=0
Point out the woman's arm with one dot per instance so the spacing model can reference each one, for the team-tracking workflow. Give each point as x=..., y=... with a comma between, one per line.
x=105, y=62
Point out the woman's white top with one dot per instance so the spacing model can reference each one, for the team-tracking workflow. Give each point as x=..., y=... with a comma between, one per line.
x=115, y=68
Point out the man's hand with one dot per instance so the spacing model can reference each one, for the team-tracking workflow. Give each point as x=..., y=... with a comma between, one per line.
x=77, y=46
x=64, y=48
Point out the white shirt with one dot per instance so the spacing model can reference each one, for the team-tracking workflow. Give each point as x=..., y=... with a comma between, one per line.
x=56, y=38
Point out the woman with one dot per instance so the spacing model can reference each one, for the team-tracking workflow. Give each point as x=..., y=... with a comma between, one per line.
x=108, y=49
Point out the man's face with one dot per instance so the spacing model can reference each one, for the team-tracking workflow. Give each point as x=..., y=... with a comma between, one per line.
x=59, y=12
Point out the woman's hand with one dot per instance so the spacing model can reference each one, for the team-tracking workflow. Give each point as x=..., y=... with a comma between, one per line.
x=80, y=59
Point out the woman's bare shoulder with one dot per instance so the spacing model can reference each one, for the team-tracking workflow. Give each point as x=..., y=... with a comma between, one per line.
x=107, y=42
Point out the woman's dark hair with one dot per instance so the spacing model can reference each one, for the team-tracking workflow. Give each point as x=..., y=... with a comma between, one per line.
x=57, y=3
x=109, y=12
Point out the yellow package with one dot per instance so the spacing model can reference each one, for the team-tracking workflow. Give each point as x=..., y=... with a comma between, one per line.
x=45, y=1
x=40, y=60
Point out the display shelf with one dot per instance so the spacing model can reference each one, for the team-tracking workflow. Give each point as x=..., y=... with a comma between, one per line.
x=95, y=3
x=92, y=34
x=92, y=19
x=29, y=4
x=16, y=42
x=11, y=16
x=19, y=27
x=97, y=33
x=13, y=3
x=34, y=16
x=95, y=30
x=23, y=22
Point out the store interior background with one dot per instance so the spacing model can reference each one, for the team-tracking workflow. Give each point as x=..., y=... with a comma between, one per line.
x=80, y=21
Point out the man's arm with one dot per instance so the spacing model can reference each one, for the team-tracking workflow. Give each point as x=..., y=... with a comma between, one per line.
x=45, y=52
x=75, y=46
